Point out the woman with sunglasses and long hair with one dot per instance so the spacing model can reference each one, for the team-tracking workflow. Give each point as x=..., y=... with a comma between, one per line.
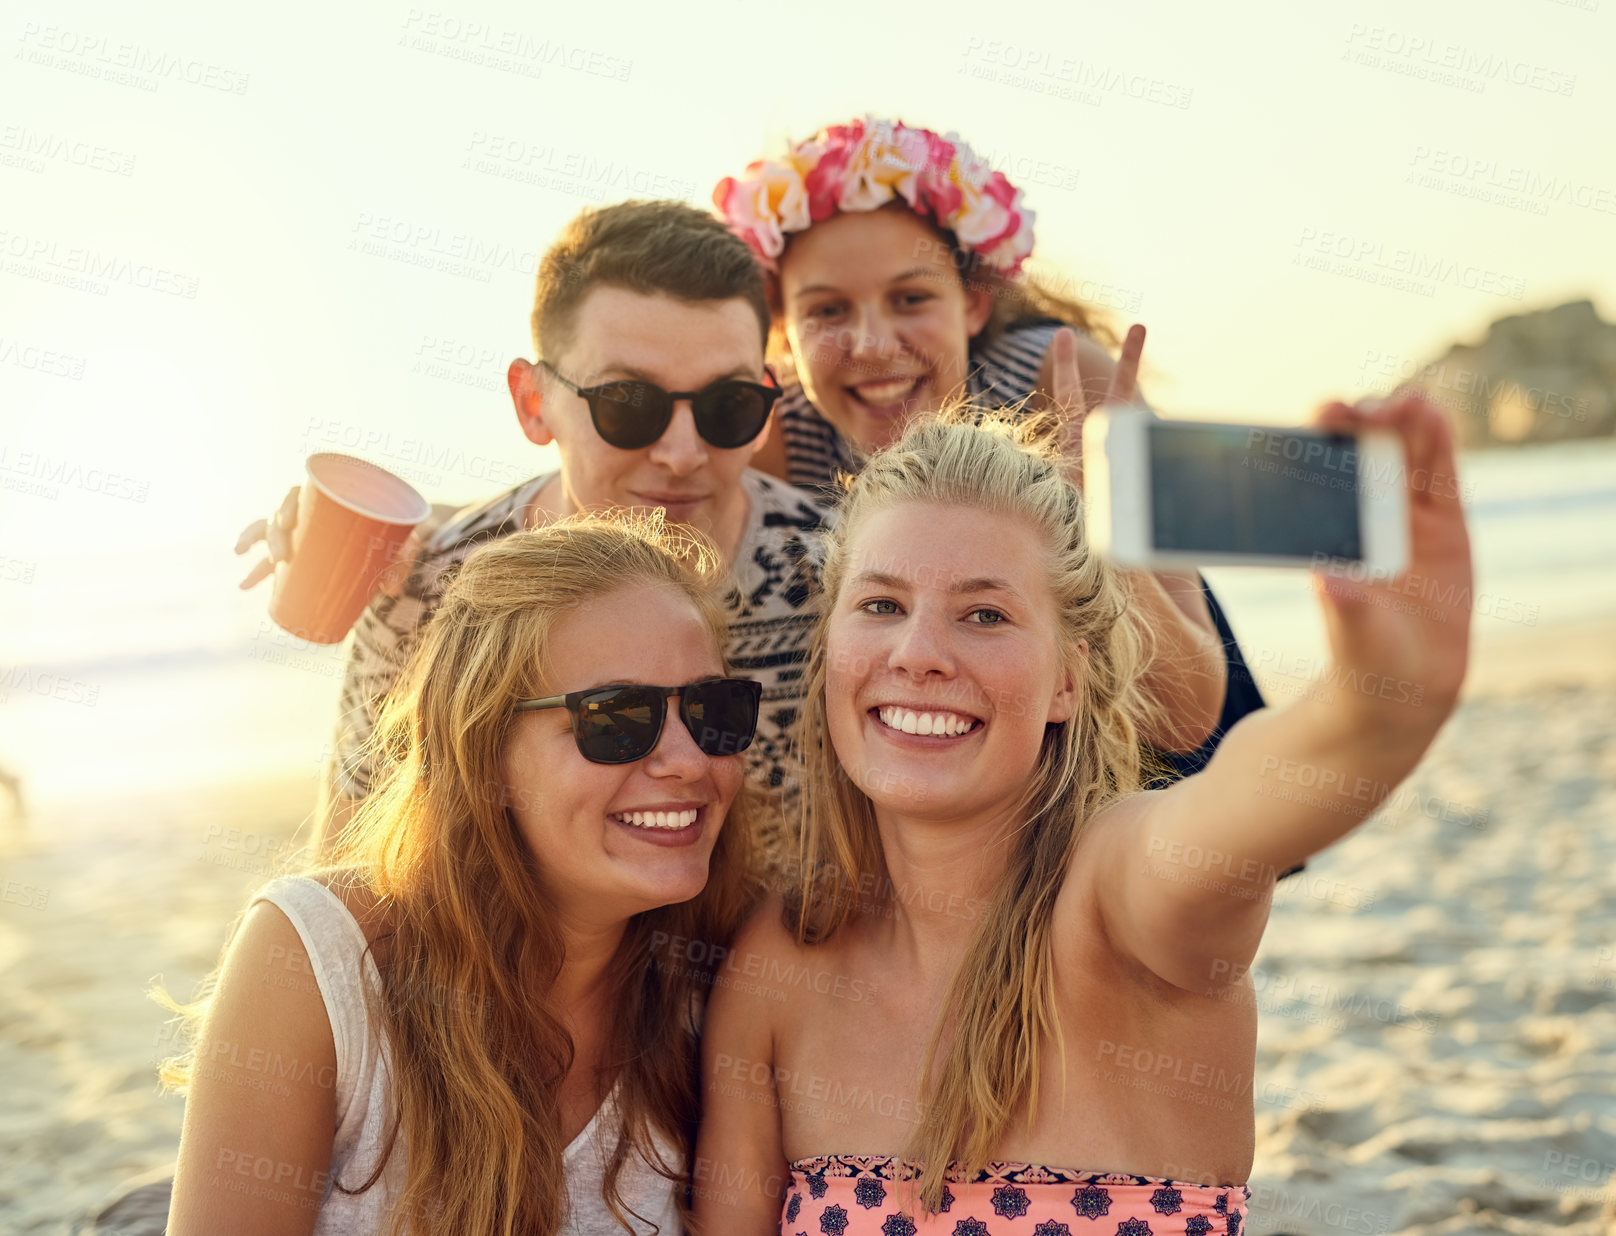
x=894, y=264
x=1041, y=1021
x=482, y=1018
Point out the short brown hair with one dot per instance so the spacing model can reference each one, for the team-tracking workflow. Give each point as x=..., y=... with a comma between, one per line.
x=661, y=247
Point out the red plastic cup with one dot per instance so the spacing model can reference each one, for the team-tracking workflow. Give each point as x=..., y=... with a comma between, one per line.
x=351, y=519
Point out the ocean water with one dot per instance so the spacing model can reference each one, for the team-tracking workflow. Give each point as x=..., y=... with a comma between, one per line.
x=1542, y=523
x=122, y=674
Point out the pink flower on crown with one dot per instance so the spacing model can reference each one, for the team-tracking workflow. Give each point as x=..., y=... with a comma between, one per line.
x=987, y=216
x=940, y=195
x=762, y=206
x=823, y=165
x=863, y=166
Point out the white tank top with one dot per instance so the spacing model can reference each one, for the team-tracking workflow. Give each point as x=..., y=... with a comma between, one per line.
x=336, y=948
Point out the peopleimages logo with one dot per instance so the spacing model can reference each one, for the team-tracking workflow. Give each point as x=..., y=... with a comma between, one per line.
x=1399, y=266
x=27, y=680
x=122, y=62
x=1040, y=70
x=550, y=165
x=36, y=359
x=43, y=471
x=84, y=269
x=32, y=149
x=431, y=460
x=513, y=51
x=427, y=245
x=1458, y=386
x=1505, y=184
x=1449, y=64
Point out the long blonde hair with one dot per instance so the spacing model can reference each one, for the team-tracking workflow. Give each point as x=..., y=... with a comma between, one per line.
x=1001, y=1002
x=476, y=1079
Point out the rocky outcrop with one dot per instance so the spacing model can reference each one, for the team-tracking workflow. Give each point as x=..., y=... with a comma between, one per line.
x=1545, y=376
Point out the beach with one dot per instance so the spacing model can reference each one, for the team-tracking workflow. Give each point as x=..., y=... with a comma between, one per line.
x=1437, y=1027
x=89, y=919
x=231, y=244
x=1437, y=993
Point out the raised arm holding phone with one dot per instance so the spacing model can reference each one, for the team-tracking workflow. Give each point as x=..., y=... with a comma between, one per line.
x=995, y=874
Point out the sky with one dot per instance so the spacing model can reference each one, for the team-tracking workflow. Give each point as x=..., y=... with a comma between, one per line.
x=230, y=238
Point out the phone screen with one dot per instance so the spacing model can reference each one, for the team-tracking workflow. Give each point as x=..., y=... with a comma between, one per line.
x=1254, y=490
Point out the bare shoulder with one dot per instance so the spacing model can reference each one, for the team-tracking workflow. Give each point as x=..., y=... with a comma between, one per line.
x=1109, y=843
x=763, y=943
x=744, y=1002
x=1112, y=827
x=770, y=971
x=267, y=1005
x=1095, y=363
x=1139, y=892
x=1089, y=349
x=360, y=898
x=262, y=1088
x=795, y=983
x=1090, y=352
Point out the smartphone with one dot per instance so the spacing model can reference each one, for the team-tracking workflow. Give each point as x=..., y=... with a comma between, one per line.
x=1175, y=494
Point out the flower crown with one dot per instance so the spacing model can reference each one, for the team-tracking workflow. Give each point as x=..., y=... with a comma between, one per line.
x=866, y=164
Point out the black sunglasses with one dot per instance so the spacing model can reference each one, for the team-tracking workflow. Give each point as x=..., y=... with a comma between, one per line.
x=618, y=725
x=630, y=415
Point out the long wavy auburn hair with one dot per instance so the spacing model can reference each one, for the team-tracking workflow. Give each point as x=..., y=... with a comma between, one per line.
x=982, y=1060
x=478, y=1048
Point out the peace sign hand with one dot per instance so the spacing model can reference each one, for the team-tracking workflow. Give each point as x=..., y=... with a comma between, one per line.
x=1069, y=394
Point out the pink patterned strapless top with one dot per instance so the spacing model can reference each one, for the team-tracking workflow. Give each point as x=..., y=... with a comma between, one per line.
x=857, y=1195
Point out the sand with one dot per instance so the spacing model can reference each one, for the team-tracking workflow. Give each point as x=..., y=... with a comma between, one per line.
x=1443, y=1059
x=1437, y=1050
x=96, y=903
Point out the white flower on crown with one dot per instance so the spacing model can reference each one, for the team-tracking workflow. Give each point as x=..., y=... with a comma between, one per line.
x=768, y=203
x=886, y=164
x=990, y=218
x=866, y=164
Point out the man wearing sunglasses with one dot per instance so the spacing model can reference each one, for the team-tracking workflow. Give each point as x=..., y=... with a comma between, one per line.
x=649, y=322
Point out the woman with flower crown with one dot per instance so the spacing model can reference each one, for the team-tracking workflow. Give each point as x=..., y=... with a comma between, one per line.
x=894, y=260
x=857, y=228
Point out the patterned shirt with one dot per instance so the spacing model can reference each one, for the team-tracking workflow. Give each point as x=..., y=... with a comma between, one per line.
x=771, y=620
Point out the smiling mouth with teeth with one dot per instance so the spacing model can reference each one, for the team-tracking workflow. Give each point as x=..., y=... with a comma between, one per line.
x=937, y=724
x=888, y=394
x=668, y=821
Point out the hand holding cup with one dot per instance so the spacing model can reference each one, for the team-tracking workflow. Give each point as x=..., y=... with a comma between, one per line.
x=334, y=541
